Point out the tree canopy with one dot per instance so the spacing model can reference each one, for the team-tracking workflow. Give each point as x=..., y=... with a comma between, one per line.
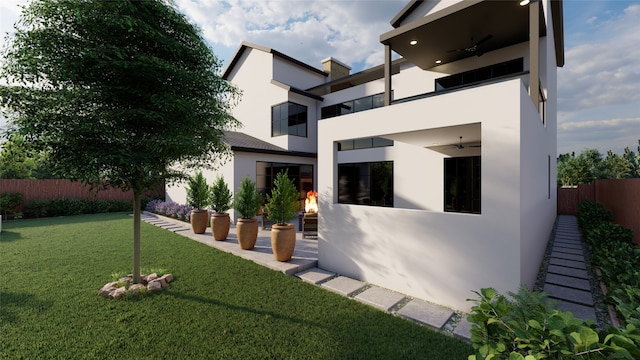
x=591, y=165
x=116, y=92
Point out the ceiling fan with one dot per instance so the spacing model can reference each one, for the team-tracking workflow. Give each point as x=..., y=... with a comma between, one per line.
x=460, y=146
x=475, y=47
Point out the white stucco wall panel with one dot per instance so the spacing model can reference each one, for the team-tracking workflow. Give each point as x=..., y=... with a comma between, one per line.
x=432, y=255
x=295, y=75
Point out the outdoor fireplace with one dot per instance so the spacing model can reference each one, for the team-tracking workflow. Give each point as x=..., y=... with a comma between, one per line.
x=310, y=217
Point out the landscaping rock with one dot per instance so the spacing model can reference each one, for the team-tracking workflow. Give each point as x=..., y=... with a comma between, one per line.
x=152, y=283
x=151, y=277
x=154, y=286
x=118, y=293
x=136, y=288
x=167, y=277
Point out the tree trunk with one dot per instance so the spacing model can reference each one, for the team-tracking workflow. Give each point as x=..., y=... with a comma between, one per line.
x=136, y=237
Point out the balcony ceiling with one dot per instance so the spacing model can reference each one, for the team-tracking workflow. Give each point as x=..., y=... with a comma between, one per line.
x=440, y=34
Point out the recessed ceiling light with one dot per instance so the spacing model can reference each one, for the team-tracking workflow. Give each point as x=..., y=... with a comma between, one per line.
x=413, y=42
x=524, y=2
x=438, y=61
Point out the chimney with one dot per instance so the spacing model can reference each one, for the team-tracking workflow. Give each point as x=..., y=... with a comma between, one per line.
x=335, y=68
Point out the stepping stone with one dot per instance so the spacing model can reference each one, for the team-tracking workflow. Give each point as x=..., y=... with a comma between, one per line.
x=567, y=246
x=562, y=270
x=463, y=329
x=559, y=255
x=381, y=298
x=568, y=251
x=569, y=294
x=566, y=240
x=426, y=313
x=315, y=275
x=568, y=281
x=580, y=311
x=344, y=285
x=568, y=263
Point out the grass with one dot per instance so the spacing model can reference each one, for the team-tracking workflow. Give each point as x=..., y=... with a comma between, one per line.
x=219, y=306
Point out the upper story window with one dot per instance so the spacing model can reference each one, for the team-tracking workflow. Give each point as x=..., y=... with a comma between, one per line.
x=289, y=119
x=363, y=143
x=351, y=106
x=482, y=74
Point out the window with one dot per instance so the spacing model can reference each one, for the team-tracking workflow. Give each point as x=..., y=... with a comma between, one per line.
x=462, y=184
x=481, y=74
x=301, y=174
x=289, y=119
x=542, y=106
x=366, y=183
x=363, y=143
x=351, y=106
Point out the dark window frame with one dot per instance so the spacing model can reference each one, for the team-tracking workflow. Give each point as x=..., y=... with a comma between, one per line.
x=373, y=183
x=285, y=124
x=462, y=184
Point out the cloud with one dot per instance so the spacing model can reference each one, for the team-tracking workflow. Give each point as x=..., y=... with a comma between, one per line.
x=604, y=135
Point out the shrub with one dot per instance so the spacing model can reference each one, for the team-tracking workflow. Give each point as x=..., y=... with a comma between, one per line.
x=282, y=204
x=528, y=327
x=220, y=196
x=67, y=207
x=9, y=202
x=197, y=191
x=617, y=258
x=248, y=199
x=170, y=209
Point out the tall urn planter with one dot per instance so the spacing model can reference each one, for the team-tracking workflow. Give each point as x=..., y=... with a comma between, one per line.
x=247, y=231
x=198, y=197
x=247, y=203
x=282, y=206
x=199, y=220
x=220, y=224
x=283, y=241
x=220, y=200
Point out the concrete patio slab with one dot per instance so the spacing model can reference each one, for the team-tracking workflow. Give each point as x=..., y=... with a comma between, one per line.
x=571, y=295
x=463, y=329
x=568, y=281
x=568, y=263
x=580, y=311
x=315, y=275
x=344, y=285
x=563, y=270
x=381, y=298
x=426, y=313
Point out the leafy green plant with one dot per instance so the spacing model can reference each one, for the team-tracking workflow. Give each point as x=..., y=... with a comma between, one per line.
x=9, y=202
x=282, y=205
x=197, y=191
x=529, y=327
x=248, y=199
x=220, y=196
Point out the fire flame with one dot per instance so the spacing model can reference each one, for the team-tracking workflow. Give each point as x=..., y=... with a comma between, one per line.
x=310, y=204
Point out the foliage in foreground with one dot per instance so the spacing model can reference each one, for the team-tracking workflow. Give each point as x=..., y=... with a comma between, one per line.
x=616, y=256
x=527, y=327
x=219, y=306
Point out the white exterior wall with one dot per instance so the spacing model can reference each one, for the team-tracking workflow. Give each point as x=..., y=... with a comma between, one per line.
x=178, y=192
x=294, y=75
x=429, y=254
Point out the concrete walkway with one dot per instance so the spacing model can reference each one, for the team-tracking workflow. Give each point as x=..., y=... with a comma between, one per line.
x=567, y=280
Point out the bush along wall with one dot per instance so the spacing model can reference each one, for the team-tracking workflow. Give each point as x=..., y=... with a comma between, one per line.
x=67, y=207
x=526, y=326
x=618, y=259
x=9, y=202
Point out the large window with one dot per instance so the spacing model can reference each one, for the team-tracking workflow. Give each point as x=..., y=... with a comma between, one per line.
x=289, y=119
x=479, y=75
x=462, y=184
x=366, y=183
x=363, y=143
x=302, y=176
x=351, y=106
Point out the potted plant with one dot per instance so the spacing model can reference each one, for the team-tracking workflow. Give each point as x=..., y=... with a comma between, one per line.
x=282, y=206
x=246, y=204
x=198, y=197
x=220, y=200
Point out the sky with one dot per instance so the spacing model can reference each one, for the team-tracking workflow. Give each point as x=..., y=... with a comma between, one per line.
x=598, y=87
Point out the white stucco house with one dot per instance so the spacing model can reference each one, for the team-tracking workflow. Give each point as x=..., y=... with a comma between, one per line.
x=435, y=171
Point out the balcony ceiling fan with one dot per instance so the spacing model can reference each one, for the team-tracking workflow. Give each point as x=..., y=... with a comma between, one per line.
x=475, y=47
x=459, y=145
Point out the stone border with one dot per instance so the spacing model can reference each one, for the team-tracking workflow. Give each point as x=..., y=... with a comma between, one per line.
x=151, y=283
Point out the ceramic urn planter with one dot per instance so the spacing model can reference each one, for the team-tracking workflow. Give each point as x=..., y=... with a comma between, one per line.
x=220, y=223
x=247, y=231
x=283, y=241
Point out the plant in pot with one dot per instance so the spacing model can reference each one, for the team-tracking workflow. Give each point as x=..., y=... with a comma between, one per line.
x=282, y=205
x=246, y=204
x=198, y=197
x=220, y=199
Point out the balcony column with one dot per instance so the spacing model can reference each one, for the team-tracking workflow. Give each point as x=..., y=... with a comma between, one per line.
x=387, y=75
x=534, y=52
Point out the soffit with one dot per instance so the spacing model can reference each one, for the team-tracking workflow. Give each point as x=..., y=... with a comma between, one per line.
x=459, y=26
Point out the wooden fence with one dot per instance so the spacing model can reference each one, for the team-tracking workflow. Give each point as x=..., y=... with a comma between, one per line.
x=620, y=196
x=66, y=189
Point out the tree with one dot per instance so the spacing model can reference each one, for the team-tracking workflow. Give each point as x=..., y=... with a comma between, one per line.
x=19, y=161
x=633, y=160
x=117, y=93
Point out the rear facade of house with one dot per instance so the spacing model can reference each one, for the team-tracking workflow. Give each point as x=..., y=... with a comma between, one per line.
x=435, y=170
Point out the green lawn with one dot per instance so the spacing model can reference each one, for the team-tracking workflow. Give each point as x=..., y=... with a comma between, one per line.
x=219, y=306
